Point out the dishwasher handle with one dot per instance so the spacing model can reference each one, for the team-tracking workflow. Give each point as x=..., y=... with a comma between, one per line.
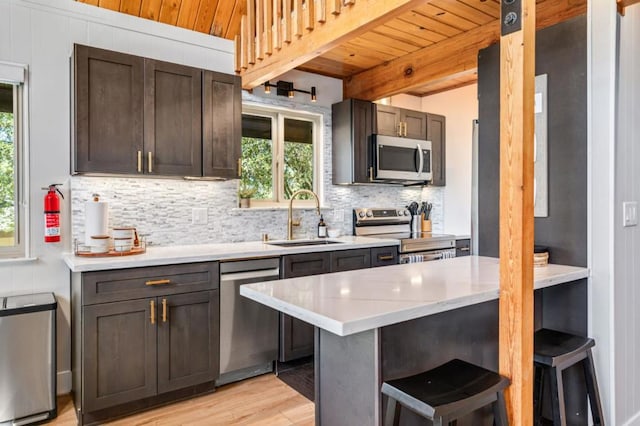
x=264, y=273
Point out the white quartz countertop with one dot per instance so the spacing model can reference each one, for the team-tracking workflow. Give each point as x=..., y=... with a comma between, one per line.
x=208, y=252
x=345, y=303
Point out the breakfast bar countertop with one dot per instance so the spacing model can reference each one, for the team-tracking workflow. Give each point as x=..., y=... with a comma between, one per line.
x=346, y=303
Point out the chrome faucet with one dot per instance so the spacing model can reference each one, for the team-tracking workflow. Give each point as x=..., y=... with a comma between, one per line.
x=291, y=223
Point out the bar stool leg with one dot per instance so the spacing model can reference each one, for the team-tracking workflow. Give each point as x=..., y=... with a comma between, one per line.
x=592, y=390
x=538, y=382
x=500, y=411
x=392, y=418
x=557, y=393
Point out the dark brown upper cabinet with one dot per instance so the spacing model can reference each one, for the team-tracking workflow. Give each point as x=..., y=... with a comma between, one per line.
x=222, y=132
x=109, y=94
x=352, y=127
x=172, y=119
x=436, y=133
x=393, y=121
x=145, y=117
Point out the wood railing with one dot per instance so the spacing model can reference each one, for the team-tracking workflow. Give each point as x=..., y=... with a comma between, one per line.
x=269, y=24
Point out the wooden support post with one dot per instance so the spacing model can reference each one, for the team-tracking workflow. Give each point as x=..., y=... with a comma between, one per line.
x=517, y=82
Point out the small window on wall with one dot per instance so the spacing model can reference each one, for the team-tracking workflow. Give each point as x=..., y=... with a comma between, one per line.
x=12, y=209
x=280, y=154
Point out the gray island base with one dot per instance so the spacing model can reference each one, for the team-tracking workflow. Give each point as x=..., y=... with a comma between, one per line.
x=391, y=322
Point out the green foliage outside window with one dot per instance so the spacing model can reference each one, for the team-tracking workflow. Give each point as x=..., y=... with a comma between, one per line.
x=7, y=185
x=257, y=160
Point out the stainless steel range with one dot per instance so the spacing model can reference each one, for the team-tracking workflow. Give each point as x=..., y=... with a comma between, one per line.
x=396, y=224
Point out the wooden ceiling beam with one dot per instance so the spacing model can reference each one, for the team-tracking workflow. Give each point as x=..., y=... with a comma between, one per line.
x=448, y=58
x=351, y=22
x=622, y=4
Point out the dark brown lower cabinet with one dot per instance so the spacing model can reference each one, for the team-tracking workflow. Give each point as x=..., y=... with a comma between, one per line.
x=120, y=350
x=297, y=337
x=187, y=321
x=143, y=337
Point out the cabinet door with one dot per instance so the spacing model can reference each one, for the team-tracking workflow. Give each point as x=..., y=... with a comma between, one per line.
x=415, y=123
x=172, y=119
x=348, y=260
x=387, y=120
x=437, y=135
x=222, y=112
x=362, y=126
x=119, y=353
x=296, y=337
x=108, y=112
x=352, y=126
x=188, y=335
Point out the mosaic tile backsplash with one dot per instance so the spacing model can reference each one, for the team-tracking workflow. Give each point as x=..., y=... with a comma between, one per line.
x=162, y=209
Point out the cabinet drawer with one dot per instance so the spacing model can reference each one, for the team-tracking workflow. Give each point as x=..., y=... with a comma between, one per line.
x=383, y=256
x=348, y=260
x=133, y=283
x=301, y=265
x=463, y=247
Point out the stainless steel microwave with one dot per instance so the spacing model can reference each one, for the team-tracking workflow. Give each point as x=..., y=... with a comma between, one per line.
x=401, y=159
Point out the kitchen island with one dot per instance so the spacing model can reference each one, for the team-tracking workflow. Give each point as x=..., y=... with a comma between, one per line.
x=380, y=324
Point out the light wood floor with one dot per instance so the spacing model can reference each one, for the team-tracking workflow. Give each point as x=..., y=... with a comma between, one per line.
x=263, y=400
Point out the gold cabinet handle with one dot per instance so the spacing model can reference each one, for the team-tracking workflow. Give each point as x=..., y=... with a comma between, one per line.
x=158, y=282
x=400, y=128
x=404, y=125
x=464, y=249
x=370, y=174
x=239, y=167
x=150, y=162
x=164, y=310
x=153, y=311
x=139, y=161
x=386, y=257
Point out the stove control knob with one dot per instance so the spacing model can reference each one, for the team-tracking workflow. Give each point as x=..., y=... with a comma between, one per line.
x=406, y=212
x=399, y=212
x=361, y=214
x=369, y=214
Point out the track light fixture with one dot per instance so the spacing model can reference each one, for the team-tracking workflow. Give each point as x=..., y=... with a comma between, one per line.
x=285, y=88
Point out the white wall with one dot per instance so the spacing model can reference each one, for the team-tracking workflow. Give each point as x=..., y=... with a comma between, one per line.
x=627, y=240
x=41, y=34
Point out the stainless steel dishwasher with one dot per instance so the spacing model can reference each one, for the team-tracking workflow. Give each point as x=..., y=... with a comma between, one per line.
x=248, y=330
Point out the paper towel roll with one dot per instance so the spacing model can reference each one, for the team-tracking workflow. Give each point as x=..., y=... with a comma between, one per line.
x=96, y=219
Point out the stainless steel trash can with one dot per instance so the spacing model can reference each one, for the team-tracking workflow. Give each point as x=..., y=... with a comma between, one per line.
x=28, y=358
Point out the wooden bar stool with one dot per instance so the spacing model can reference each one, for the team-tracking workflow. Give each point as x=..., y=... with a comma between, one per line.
x=447, y=393
x=554, y=352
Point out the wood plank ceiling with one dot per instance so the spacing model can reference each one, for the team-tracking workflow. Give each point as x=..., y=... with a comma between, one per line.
x=418, y=32
x=220, y=18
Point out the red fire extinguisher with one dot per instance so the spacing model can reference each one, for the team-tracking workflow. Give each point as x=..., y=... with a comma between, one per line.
x=52, y=214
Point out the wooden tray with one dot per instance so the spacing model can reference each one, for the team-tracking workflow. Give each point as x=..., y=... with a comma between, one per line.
x=84, y=251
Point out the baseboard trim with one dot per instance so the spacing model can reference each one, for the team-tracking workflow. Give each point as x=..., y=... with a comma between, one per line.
x=64, y=382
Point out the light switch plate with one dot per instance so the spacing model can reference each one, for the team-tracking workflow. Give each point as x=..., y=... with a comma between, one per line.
x=630, y=213
x=199, y=216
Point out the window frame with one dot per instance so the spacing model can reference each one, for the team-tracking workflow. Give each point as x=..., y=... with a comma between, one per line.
x=278, y=115
x=16, y=75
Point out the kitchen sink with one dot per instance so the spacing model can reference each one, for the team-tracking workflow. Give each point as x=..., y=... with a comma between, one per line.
x=298, y=243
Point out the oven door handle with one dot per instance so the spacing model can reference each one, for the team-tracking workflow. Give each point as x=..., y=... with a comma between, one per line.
x=421, y=156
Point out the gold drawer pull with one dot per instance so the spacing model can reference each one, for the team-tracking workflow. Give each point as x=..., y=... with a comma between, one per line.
x=150, y=162
x=239, y=167
x=139, y=161
x=464, y=249
x=152, y=304
x=386, y=257
x=158, y=282
x=164, y=310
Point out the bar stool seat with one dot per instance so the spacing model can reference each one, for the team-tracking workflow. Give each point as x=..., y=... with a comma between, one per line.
x=447, y=393
x=555, y=351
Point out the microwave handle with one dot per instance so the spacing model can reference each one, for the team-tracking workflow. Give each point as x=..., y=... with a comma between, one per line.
x=421, y=160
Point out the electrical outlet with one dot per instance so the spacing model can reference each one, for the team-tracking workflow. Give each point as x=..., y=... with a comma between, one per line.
x=338, y=215
x=199, y=216
x=630, y=213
